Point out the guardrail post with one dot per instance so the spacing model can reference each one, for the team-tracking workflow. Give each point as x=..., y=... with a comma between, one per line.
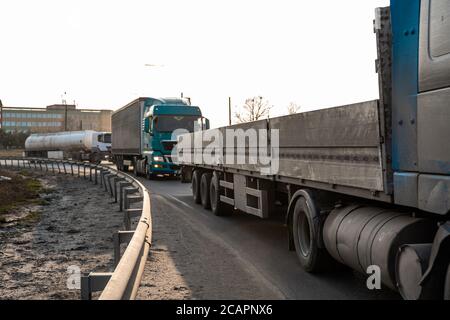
x=93, y=282
x=131, y=199
x=116, y=180
x=112, y=176
x=95, y=175
x=108, y=178
x=122, y=193
x=118, y=238
x=128, y=215
x=103, y=172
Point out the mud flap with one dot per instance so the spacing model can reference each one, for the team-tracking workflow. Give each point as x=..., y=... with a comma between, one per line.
x=436, y=273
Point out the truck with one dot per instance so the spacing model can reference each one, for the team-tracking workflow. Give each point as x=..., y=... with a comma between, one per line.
x=89, y=145
x=142, y=134
x=365, y=185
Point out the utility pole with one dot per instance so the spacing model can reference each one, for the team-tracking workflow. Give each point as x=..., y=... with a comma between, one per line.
x=65, y=118
x=229, y=111
x=1, y=114
x=64, y=101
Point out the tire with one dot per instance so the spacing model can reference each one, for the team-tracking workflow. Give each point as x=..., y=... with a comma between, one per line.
x=183, y=177
x=204, y=190
x=148, y=175
x=217, y=207
x=307, y=232
x=196, y=177
x=119, y=164
x=95, y=158
x=135, y=171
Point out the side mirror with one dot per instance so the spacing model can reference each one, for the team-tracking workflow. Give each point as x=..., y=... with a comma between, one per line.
x=206, y=124
x=147, y=125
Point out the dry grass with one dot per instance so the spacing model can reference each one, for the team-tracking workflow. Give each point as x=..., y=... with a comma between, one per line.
x=19, y=190
x=11, y=153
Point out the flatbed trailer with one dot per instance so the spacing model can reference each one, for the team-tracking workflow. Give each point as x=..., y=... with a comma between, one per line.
x=367, y=184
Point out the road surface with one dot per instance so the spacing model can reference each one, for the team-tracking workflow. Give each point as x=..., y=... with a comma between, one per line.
x=197, y=255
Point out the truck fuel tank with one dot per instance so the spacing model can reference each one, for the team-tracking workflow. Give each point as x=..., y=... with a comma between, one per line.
x=360, y=236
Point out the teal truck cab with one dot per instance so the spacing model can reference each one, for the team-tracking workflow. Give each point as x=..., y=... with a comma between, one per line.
x=144, y=134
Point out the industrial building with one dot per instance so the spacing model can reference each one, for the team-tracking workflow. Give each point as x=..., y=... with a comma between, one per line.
x=54, y=118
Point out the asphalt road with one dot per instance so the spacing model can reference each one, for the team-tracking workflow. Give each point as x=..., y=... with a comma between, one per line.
x=238, y=257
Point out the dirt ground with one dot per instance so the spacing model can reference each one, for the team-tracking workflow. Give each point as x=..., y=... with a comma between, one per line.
x=72, y=226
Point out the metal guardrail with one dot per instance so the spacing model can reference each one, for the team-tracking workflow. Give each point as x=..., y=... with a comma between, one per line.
x=124, y=282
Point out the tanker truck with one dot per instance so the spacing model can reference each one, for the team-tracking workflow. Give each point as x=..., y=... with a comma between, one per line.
x=84, y=145
x=365, y=185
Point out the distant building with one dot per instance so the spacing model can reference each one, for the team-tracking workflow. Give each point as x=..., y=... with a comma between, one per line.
x=54, y=118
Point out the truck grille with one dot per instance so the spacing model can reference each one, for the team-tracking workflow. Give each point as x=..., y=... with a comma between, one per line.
x=168, y=145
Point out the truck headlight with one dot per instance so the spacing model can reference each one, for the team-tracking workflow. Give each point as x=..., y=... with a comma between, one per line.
x=158, y=158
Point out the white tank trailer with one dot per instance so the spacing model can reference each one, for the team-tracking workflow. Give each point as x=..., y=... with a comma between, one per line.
x=77, y=145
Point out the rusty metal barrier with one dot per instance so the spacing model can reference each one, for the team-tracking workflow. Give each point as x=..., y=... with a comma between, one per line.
x=123, y=283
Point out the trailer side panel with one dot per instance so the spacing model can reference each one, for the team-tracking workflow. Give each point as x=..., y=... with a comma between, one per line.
x=127, y=128
x=338, y=146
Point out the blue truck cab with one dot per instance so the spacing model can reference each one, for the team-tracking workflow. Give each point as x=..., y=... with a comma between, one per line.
x=163, y=120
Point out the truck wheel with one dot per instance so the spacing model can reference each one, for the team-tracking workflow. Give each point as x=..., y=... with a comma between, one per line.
x=119, y=164
x=95, y=158
x=183, y=176
x=204, y=190
x=196, y=176
x=218, y=208
x=148, y=175
x=135, y=170
x=306, y=228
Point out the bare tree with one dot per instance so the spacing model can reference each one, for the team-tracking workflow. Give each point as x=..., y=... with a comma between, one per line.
x=253, y=109
x=293, y=108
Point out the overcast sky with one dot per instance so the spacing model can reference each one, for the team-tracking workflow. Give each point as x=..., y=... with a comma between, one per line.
x=317, y=53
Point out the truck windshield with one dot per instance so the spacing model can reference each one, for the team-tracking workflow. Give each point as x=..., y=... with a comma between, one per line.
x=172, y=123
x=105, y=138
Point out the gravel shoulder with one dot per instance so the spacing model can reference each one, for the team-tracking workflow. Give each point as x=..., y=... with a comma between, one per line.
x=73, y=227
